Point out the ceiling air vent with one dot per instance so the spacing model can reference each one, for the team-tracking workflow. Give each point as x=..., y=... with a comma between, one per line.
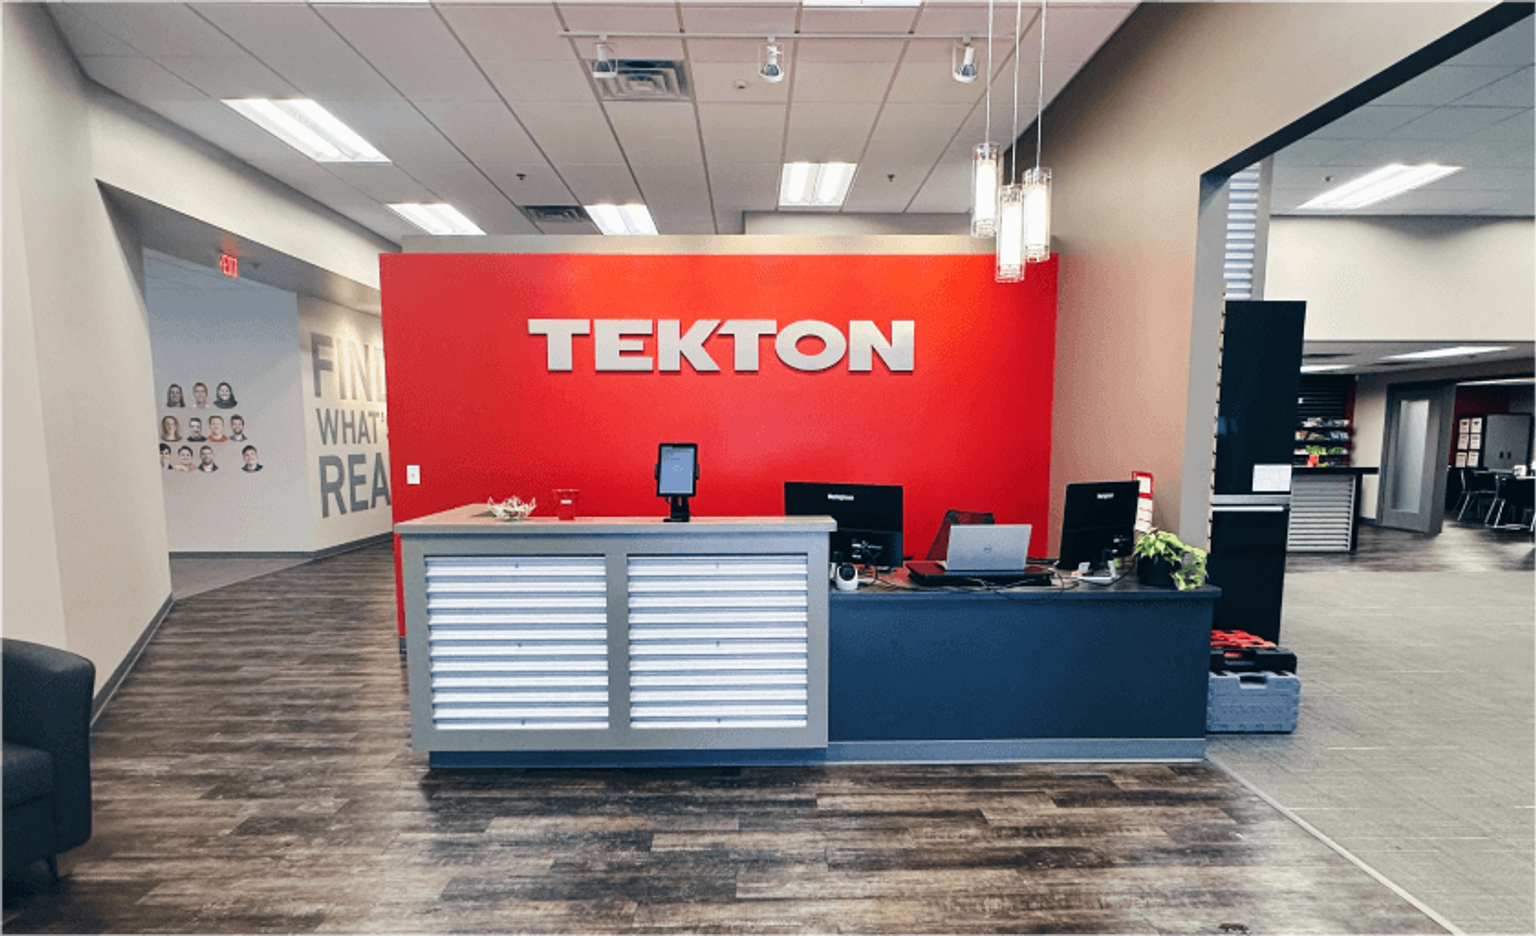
x=567, y=213
x=646, y=80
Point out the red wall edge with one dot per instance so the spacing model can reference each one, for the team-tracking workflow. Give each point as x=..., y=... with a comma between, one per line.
x=471, y=399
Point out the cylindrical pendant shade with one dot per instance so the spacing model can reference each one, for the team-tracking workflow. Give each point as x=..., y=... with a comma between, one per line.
x=1010, y=234
x=1036, y=187
x=986, y=158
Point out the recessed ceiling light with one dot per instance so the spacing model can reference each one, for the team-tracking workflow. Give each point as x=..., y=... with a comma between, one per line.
x=815, y=185
x=1378, y=186
x=440, y=219
x=1457, y=351
x=1505, y=382
x=622, y=219
x=308, y=128
x=1319, y=368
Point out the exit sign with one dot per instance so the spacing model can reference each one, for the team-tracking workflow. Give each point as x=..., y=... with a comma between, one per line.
x=229, y=266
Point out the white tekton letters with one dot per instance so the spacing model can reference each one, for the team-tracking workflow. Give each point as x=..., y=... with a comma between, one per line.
x=617, y=343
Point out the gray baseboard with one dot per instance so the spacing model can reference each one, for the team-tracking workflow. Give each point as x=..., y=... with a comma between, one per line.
x=109, y=688
x=326, y=553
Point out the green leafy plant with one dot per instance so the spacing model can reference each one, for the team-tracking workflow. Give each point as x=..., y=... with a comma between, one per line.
x=1188, y=561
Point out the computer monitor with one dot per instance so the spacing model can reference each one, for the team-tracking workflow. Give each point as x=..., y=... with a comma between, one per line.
x=1098, y=521
x=677, y=471
x=868, y=516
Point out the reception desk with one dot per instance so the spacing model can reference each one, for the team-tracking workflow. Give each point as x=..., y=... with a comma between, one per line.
x=632, y=641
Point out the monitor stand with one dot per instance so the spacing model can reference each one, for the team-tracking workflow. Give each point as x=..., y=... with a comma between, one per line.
x=679, y=504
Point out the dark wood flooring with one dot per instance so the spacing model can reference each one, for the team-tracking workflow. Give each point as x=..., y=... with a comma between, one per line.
x=1459, y=547
x=254, y=775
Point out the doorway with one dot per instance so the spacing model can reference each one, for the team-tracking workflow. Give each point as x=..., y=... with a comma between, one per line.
x=1415, y=450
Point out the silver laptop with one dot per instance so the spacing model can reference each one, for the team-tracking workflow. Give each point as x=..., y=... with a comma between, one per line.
x=987, y=547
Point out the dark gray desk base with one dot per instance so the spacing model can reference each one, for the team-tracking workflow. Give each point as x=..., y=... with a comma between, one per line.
x=952, y=677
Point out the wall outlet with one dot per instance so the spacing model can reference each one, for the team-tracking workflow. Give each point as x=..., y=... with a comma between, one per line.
x=412, y=474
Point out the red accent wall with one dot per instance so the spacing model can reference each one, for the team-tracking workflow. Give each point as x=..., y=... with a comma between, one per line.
x=473, y=403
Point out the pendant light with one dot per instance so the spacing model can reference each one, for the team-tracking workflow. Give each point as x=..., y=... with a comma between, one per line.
x=1010, y=200
x=1037, y=181
x=985, y=162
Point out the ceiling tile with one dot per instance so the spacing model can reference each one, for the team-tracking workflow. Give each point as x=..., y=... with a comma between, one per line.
x=1073, y=33
x=570, y=132
x=1369, y=122
x=768, y=19
x=1443, y=85
x=381, y=182
x=276, y=30
x=1515, y=90
x=674, y=190
x=313, y=179
x=1493, y=154
x=83, y=35
x=947, y=190
x=849, y=50
x=744, y=52
x=138, y=78
x=539, y=184
x=1312, y=152
x=913, y=134
x=656, y=132
x=463, y=186
x=868, y=20
x=725, y=83
x=482, y=130
x=745, y=186
x=628, y=47
x=925, y=77
x=667, y=224
x=1514, y=45
x=1450, y=123
x=508, y=31
x=1517, y=127
x=729, y=221
x=341, y=78
x=885, y=186
x=742, y=133
x=412, y=48
x=229, y=77
x=1361, y=157
x=160, y=28
x=596, y=184
x=380, y=220
x=841, y=82
x=396, y=129
x=1497, y=180
x=549, y=81
x=960, y=19
x=620, y=17
x=828, y=132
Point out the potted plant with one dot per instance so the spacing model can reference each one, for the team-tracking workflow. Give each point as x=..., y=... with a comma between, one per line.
x=1162, y=559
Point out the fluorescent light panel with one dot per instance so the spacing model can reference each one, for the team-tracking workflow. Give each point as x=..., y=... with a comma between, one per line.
x=1379, y=186
x=308, y=128
x=1320, y=368
x=1506, y=382
x=629, y=219
x=440, y=219
x=815, y=185
x=1457, y=351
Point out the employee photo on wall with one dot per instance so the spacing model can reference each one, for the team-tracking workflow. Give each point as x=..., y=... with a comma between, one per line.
x=195, y=430
x=170, y=429
x=224, y=396
x=184, y=459
x=237, y=428
x=173, y=396
x=216, y=429
x=200, y=395
x=205, y=454
x=249, y=454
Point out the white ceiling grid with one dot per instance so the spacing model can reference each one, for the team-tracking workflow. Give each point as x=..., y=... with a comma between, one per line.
x=489, y=107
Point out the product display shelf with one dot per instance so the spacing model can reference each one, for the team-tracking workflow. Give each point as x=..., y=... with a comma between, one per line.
x=1328, y=439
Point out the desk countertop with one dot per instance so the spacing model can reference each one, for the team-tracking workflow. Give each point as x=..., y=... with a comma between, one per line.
x=895, y=584
x=478, y=519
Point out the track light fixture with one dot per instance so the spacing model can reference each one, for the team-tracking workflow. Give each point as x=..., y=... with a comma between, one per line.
x=772, y=72
x=963, y=62
x=604, y=65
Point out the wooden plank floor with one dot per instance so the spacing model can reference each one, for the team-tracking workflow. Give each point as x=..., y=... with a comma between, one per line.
x=254, y=774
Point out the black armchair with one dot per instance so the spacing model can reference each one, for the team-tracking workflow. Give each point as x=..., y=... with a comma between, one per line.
x=47, y=752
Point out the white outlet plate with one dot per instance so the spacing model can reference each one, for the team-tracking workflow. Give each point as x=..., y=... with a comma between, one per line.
x=412, y=474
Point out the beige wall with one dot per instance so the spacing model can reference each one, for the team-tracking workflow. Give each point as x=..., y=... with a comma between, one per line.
x=85, y=551
x=1405, y=279
x=1179, y=89
x=84, y=557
